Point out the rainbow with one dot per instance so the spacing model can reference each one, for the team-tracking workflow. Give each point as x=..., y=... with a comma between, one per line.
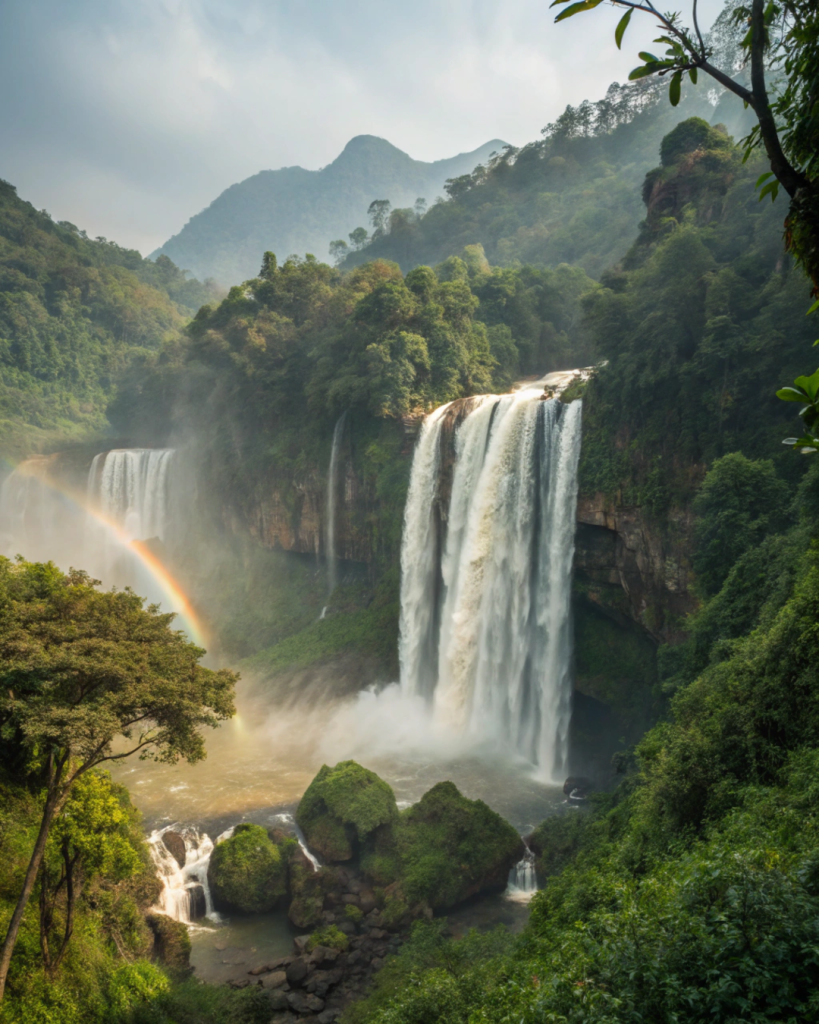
x=171, y=589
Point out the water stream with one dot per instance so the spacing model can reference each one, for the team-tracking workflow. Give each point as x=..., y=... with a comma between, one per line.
x=332, y=499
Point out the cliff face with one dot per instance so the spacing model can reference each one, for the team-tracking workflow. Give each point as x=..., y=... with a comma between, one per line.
x=632, y=568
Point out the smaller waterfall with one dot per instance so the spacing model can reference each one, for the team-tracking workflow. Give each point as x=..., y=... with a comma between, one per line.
x=130, y=487
x=290, y=822
x=523, y=878
x=185, y=892
x=332, y=496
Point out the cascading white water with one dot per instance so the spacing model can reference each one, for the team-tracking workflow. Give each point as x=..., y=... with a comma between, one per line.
x=332, y=497
x=522, y=883
x=290, y=822
x=185, y=892
x=485, y=622
x=130, y=487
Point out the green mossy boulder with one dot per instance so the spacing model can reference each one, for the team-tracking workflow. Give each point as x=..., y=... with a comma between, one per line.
x=343, y=807
x=248, y=871
x=557, y=841
x=172, y=944
x=307, y=890
x=441, y=851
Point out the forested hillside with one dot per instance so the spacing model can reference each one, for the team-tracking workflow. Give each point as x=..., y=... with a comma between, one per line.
x=570, y=197
x=294, y=211
x=72, y=313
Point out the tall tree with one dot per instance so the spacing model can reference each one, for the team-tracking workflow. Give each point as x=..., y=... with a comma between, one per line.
x=81, y=669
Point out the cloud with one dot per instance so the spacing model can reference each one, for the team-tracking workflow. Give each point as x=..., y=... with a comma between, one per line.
x=128, y=118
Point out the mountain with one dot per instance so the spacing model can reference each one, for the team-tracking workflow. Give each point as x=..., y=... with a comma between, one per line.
x=293, y=210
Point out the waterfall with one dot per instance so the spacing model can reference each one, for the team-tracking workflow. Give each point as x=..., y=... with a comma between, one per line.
x=522, y=883
x=185, y=892
x=130, y=487
x=417, y=638
x=290, y=822
x=485, y=629
x=332, y=495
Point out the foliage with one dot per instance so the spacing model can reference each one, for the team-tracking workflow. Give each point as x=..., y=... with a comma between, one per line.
x=330, y=936
x=739, y=503
x=192, y=1002
x=73, y=312
x=434, y=978
x=342, y=806
x=695, y=324
x=248, y=871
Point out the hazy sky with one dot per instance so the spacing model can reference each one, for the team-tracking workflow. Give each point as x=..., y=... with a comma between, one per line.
x=126, y=118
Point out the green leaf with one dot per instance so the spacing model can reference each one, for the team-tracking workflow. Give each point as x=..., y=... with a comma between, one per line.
x=583, y=5
x=622, y=25
x=692, y=74
x=674, y=88
x=771, y=189
x=810, y=385
x=648, y=57
x=791, y=394
x=643, y=72
x=813, y=308
x=764, y=177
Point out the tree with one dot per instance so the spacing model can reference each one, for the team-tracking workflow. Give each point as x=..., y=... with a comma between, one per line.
x=378, y=211
x=358, y=238
x=784, y=34
x=420, y=207
x=81, y=668
x=96, y=834
x=338, y=250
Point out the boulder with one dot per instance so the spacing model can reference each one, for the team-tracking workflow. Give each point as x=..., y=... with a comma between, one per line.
x=577, y=787
x=197, y=905
x=172, y=945
x=304, y=1003
x=175, y=844
x=297, y=972
x=248, y=871
x=324, y=956
x=277, y=979
x=307, y=891
x=278, y=1000
x=439, y=852
x=342, y=807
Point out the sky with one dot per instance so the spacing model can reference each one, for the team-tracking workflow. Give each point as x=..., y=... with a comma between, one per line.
x=127, y=118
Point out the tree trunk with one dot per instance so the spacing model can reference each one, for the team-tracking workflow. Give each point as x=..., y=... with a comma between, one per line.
x=53, y=804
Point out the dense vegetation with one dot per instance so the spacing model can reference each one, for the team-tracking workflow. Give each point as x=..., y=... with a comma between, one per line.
x=570, y=197
x=73, y=311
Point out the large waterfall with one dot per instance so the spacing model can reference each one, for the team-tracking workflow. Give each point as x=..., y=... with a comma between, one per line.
x=485, y=630
x=130, y=487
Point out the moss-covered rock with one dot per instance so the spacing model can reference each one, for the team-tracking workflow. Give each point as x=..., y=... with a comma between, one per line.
x=307, y=891
x=557, y=841
x=441, y=851
x=172, y=944
x=248, y=871
x=344, y=806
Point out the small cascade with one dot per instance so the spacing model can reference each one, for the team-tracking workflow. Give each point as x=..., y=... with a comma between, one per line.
x=185, y=892
x=485, y=628
x=290, y=822
x=523, y=878
x=332, y=498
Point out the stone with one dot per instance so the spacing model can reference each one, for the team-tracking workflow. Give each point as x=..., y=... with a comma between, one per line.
x=278, y=1000
x=197, y=905
x=577, y=787
x=300, y=942
x=304, y=1003
x=275, y=980
x=378, y=933
x=366, y=901
x=239, y=984
x=347, y=927
x=297, y=972
x=324, y=956
x=328, y=1016
x=175, y=845
x=350, y=899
